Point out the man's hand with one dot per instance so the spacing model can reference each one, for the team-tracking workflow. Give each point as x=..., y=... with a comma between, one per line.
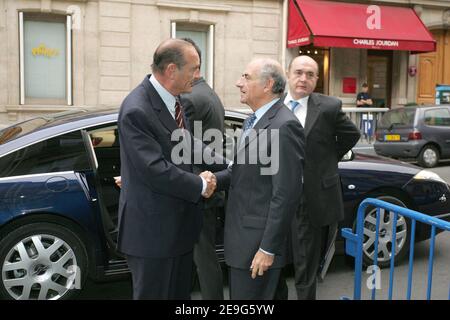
x=261, y=262
x=211, y=183
x=118, y=181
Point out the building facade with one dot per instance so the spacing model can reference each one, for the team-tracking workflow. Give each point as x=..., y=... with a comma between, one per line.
x=68, y=54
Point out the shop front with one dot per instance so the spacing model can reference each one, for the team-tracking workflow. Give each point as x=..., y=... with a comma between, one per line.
x=364, y=43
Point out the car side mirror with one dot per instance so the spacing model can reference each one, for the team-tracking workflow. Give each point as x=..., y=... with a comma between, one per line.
x=349, y=156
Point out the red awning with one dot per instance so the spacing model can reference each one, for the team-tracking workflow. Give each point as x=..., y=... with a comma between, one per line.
x=351, y=25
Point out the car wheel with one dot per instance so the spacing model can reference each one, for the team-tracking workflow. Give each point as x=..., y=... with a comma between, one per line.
x=41, y=261
x=429, y=156
x=385, y=245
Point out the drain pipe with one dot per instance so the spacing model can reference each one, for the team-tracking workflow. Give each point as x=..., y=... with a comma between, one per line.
x=284, y=33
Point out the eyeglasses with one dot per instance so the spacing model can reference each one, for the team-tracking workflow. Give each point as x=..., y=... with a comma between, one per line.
x=309, y=74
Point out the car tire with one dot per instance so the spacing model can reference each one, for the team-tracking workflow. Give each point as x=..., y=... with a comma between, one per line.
x=429, y=156
x=385, y=234
x=41, y=261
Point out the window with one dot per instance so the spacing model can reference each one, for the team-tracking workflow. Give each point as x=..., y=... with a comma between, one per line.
x=45, y=59
x=437, y=117
x=398, y=117
x=106, y=137
x=203, y=36
x=63, y=153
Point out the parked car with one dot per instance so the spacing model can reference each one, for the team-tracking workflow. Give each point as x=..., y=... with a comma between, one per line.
x=58, y=202
x=421, y=133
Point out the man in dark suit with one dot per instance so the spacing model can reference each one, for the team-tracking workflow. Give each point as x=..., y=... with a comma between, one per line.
x=263, y=195
x=204, y=107
x=330, y=134
x=159, y=207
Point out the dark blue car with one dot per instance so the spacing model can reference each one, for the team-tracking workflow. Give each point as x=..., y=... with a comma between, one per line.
x=58, y=202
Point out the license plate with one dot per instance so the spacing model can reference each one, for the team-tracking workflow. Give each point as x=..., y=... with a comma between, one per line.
x=392, y=137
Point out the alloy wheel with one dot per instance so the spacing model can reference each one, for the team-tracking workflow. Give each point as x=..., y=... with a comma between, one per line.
x=430, y=157
x=385, y=245
x=39, y=267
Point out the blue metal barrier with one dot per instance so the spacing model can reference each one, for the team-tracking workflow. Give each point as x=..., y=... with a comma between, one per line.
x=354, y=243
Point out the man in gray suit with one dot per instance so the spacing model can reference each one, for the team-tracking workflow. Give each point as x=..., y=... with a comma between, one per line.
x=204, y=107
x=330, y=134
x=263, y=196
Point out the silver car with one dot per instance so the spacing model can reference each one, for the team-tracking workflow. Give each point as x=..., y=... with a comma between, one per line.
x=420, y=132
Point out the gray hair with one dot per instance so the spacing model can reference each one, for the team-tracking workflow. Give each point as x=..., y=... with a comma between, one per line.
x=271, y=69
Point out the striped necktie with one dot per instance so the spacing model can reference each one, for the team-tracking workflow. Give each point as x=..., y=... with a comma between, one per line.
x=179, y=114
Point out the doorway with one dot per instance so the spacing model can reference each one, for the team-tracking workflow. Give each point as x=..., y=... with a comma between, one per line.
x=379, y=76
x=434, y=68
x=322, y=57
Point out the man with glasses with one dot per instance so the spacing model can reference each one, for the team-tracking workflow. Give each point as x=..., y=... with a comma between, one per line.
x=330, y=134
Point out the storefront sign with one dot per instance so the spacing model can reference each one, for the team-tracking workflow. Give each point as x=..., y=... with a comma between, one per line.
x=376, y=43
x=42, y=50
x=360, y=26
x=442, y=94
x=299, y=41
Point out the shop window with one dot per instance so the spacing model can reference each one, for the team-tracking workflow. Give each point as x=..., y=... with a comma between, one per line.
x=203, y=36
x=45, y=59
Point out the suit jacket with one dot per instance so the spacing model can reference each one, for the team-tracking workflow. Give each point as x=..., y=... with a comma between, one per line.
x=159, y=207
x=330, y=134
x=203, y=104
x=260, y=207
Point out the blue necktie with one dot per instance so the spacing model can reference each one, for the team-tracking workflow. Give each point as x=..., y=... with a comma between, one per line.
x=248, y=124
x=294, y=104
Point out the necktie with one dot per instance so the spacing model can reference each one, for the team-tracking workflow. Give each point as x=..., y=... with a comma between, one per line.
x=294, y=104
x=248, y=124
x=179, y=114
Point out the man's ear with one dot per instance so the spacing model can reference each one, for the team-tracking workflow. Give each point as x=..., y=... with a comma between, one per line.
x=170, y=70
x=269, y=85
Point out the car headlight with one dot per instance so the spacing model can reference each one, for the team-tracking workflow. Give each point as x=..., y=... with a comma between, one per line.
x=428, y=175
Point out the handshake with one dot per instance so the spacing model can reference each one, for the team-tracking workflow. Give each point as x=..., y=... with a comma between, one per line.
x=207, y=175
x=211, y=181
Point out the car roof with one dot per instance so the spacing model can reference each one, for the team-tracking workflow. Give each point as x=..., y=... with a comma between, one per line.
x=427, y=106
x=44, y=127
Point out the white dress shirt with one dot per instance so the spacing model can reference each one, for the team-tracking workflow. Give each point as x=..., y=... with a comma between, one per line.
x=169, y=100
x=301, y=110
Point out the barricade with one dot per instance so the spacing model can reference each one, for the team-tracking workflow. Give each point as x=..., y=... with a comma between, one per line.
x=354, y=244
x=365, y=119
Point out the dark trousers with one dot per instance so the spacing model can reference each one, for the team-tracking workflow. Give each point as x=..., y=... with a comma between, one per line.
x=308, y=246
x=209, y=271
x=243, y=287
x=167, y=278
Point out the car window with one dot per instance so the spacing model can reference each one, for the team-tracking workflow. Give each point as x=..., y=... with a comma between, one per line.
x=31, y=125
x=63, y=153
x=233, y=130
x=437, y=117
x=399, y=117
x=105, y=137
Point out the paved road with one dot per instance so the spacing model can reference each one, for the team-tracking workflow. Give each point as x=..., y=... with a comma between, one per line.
x=339, y=281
